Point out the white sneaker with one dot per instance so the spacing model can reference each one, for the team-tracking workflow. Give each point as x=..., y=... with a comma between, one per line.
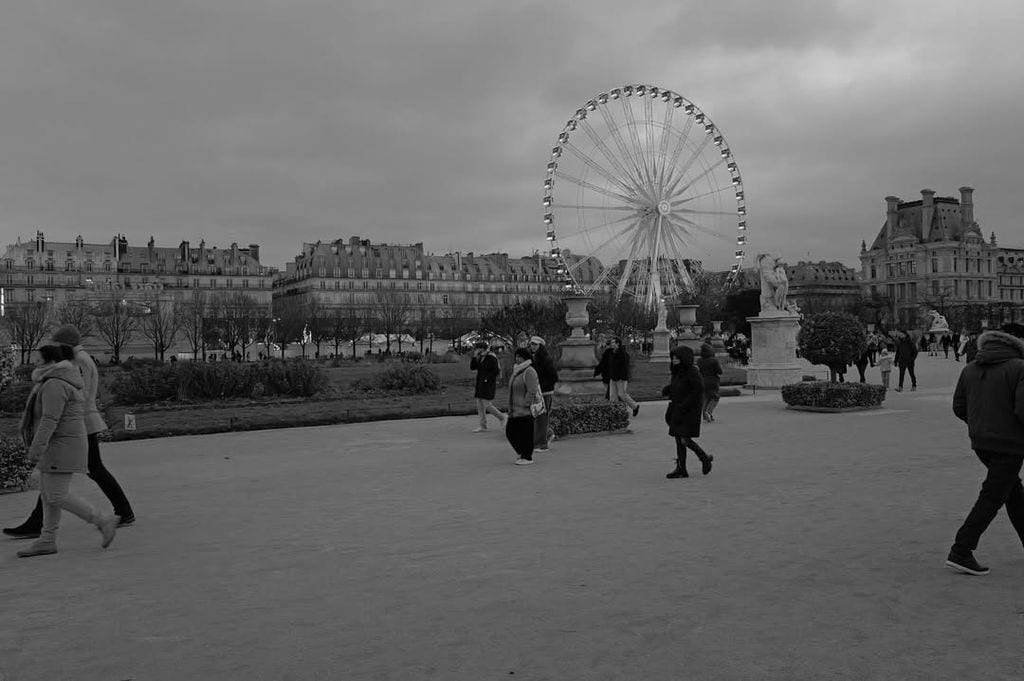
x=478, y=429
x=524, y=462
x=541, y=449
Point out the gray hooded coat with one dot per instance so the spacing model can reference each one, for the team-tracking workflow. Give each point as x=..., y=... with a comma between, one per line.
x=989, y=395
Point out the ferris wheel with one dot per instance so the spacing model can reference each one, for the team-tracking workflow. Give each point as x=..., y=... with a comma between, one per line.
x=642, y=192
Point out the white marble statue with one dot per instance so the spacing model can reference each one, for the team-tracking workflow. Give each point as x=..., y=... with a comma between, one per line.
x=937, y=323
x=662, y=316
x=774, y=283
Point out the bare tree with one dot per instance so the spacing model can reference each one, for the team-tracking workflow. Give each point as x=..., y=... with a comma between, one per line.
x=347, y=325
x=77, y=313
x=235, y=314
x=317, y=322
x=115, y=324
x=393, y=314
x=193, y=321
x=27, y=323
x=290, y=321
x=161, y=325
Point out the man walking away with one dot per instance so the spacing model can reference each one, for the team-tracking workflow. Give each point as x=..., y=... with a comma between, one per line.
x=548, y=376
x=989, y=397
x=619, y=368
x=906, y=355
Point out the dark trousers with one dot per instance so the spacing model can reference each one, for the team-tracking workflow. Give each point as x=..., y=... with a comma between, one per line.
x=102, y=477
x=1001, y=487
x=908, y=368
x=540, y=425
x=519, y=432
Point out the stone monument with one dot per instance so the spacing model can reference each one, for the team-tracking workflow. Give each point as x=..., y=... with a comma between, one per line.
x=773, y=361
x=937, y=323
x=660, y=344
x=576, y=368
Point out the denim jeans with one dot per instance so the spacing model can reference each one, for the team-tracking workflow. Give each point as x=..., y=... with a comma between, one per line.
x=1001, y=487
x=619, y=393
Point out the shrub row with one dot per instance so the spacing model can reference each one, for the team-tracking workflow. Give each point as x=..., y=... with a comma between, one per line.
x=574, y=419
x=833, y=395
x=12, y=398
x=402, y=378
x=203, y=380
x=14, y=465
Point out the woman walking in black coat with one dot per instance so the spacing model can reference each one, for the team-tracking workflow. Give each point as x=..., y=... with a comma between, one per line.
x=684, y=411
x=485, y=364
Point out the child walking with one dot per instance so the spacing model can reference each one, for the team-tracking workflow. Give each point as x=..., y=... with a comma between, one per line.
x=885, y=366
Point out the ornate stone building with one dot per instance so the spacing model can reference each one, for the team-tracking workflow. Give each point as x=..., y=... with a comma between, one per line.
x=930, y=253
x=53, y=271
x=824, y=286
x=357, y=275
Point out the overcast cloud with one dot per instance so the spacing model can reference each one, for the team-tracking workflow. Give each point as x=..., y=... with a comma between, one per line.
x=280, y=122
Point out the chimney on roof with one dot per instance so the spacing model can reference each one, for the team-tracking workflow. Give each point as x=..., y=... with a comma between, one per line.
x=40, y=242
x=966, y=207
x=927, y=212
x=254, y=252
x=890, y=216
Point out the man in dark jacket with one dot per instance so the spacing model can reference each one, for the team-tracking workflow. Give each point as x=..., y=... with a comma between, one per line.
x=906, y=355
x=618, y=375
x=547, y=375
x=990, y=397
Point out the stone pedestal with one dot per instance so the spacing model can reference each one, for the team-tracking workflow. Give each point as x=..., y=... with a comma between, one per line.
x=576, y=367
x=773, y=361
x=717, y=343
x=660, y=346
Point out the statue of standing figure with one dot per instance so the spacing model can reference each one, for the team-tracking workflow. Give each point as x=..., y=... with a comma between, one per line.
x=774, y=283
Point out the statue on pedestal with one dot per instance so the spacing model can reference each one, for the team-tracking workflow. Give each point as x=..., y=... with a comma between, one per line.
x=662, y=316
x=938, y=323
x=774, y=284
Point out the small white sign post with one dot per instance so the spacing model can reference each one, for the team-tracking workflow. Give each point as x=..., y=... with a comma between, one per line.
x=129, y=421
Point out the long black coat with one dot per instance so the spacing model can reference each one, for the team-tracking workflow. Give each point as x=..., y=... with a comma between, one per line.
x=686, y=391
x=487, y=371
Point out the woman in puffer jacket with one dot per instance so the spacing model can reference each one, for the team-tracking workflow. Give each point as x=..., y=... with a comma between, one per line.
x=523, y=391
x=53, y=427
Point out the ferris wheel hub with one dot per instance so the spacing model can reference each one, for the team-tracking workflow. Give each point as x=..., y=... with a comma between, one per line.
x=664, y=208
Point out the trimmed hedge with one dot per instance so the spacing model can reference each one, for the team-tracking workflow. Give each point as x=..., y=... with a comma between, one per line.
x=14, y=465
x=402, y=378
x=13, y=397
x=575, y=419
x=823, y=394
x=203, y=380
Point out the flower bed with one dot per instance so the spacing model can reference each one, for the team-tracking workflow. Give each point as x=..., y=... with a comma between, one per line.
x=826, y=396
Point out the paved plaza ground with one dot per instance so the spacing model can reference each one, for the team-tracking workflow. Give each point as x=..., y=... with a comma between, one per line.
x=416, y=550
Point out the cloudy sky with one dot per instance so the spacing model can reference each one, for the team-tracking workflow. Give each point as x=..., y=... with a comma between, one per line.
x=282, y=121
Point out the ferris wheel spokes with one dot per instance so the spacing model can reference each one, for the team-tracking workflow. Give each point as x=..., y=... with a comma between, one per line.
x=600, y=170
x=674, y=192
x=609, y=154
x=600, y=190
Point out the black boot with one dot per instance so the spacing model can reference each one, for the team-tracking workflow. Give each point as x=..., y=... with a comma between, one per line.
x=680, y=471
x=705, y=463
x=31, y=528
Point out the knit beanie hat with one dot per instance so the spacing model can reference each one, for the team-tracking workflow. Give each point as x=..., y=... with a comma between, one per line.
x=67, y=335
x=537, y=339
